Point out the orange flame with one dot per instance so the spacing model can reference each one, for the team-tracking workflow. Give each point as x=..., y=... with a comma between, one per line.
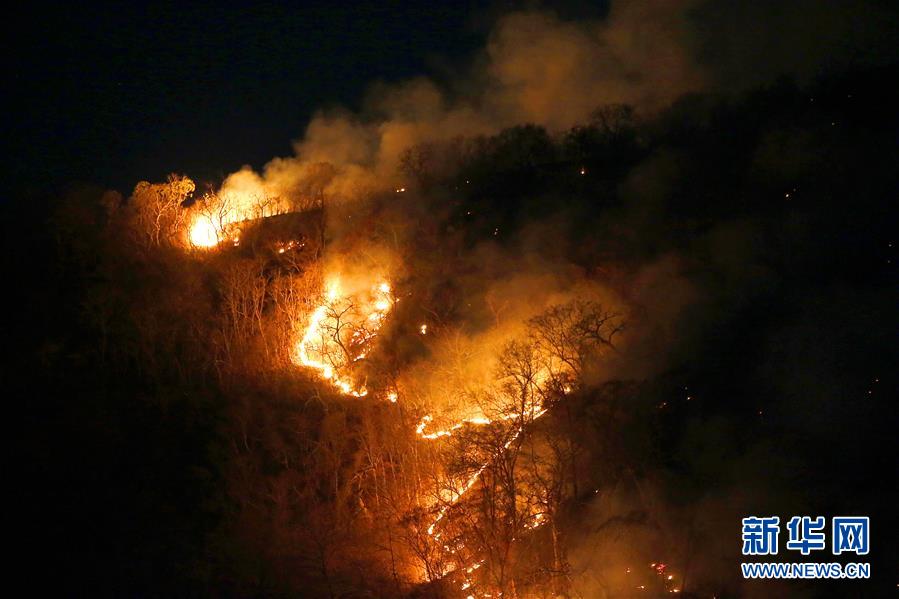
x=322, y=347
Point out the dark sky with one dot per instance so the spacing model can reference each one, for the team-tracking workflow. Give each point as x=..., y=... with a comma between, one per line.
x=113, y=93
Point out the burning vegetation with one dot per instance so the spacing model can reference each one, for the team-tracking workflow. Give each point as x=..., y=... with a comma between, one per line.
x=340, y=333
x=457, y=480
x=506, y=363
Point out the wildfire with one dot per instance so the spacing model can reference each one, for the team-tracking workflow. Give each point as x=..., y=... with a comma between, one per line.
x=216, y=216
x=208, y=230
x=452, y=496
x=340, y=331
x=203, y=233
x=423, y=423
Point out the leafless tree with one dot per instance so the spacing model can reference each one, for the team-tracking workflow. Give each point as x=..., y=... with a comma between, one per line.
x=570, y=335
x=158, y=210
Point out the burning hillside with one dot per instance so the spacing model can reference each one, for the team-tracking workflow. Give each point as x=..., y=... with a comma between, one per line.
x=552, y=325
x=532, y=373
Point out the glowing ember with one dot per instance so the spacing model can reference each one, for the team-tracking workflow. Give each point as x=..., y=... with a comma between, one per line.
x=423, y=423
x=452, y=496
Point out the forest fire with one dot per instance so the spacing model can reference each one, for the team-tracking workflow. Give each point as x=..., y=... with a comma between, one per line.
x=216, y=220
x=337, y=337
x=203, y=233
x=451, y=495
x=217, y=215
x=340, y=331
x=547, y=321
x=419, y=430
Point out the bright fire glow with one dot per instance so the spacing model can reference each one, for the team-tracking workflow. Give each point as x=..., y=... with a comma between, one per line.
x=452, y=496
x=203, y=233
x=340, y=331
x=216, y=216
x=423, y=423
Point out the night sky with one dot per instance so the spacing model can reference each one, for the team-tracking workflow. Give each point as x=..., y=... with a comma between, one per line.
x=118, y=92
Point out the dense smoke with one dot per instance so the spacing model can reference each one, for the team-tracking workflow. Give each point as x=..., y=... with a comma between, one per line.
x=540, y=68
x=536, y=68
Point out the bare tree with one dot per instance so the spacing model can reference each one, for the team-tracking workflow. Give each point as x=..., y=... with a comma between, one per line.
x=570, y=335
x=243, y=288
x=158, y=210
